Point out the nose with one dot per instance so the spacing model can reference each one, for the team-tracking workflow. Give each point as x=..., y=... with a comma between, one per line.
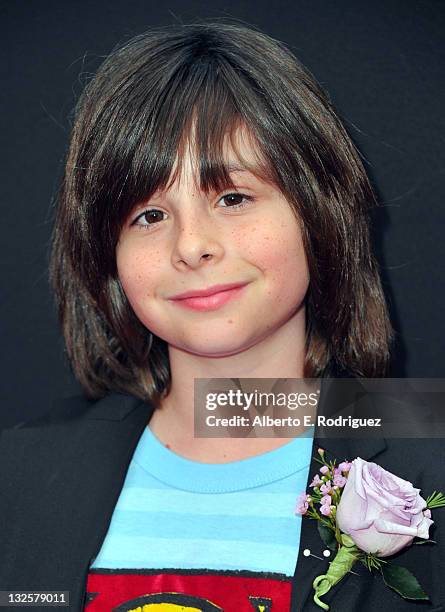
x=197, y=240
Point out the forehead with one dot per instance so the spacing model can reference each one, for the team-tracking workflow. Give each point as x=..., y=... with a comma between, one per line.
x=239, y=153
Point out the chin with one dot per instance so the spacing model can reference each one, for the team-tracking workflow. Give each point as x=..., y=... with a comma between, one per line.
x=211, y=347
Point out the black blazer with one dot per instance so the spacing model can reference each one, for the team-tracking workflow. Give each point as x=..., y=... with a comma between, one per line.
x=61, y=476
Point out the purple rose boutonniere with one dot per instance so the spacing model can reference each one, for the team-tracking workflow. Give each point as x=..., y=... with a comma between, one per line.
x=365, y=513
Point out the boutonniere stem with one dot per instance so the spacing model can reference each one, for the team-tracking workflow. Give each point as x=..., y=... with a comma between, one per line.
x=345, y=558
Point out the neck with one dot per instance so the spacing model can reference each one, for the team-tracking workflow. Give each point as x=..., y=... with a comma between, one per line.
x=281, y=355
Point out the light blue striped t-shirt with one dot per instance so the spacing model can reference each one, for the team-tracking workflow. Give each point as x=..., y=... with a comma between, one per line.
x=176, y=514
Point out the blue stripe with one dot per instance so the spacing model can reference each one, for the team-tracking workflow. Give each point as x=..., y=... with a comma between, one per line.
x=121, y=552
x=252, y=503
x=219, y=527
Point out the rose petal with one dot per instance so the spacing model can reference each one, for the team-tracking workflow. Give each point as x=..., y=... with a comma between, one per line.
x=372, y=541
x=384, y=526
x=351, y=511
x=424, y=527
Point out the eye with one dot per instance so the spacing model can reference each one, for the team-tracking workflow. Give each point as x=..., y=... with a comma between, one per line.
x=235, y=200
x=151, y=216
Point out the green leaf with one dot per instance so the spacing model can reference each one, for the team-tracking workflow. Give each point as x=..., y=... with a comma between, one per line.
x=426, y=542
x=402, y=581
x=328, y=536
x=435, y=500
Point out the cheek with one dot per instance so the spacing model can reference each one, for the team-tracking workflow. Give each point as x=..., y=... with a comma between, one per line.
x=277, y=251
x=139, y=273
x=136, y=269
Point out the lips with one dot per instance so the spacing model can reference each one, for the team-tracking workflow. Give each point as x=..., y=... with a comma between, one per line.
x=219, y=296
x=206, y=292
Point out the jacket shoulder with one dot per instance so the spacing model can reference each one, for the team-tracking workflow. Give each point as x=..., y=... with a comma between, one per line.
x=70, y=422
x=61, y=409
x=75, y=408
x=71, y=426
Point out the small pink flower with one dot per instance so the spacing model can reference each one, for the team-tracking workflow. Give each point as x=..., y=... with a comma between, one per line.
x=324, y=469
x=316, y=481
x=345, y=466
x=302, y=503
x=326, y=500
x=339, y=481
x=326, y=509
x=326, y=487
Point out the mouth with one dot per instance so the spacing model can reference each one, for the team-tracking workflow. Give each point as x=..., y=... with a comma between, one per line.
x=206, y=292
x=212, y=301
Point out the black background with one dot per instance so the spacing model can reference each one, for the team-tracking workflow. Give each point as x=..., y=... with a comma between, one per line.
x=382, y=63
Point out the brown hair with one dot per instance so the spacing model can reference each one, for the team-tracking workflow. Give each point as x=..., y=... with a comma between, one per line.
x=131, y=121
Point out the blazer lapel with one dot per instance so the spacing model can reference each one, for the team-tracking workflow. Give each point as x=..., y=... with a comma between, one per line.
x=309, y=567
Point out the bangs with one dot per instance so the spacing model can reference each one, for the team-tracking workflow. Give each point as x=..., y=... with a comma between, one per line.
x=209, y=126
x=204, y=107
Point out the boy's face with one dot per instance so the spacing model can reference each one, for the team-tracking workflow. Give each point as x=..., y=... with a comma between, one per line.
x=193, y=241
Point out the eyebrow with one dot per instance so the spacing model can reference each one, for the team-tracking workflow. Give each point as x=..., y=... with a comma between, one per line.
x=256, y=170
x=235, y=167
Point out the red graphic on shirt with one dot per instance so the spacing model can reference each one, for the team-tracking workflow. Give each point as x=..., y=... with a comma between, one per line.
x=186, y=591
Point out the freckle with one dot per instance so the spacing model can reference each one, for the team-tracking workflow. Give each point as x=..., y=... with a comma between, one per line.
x=230, y=321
